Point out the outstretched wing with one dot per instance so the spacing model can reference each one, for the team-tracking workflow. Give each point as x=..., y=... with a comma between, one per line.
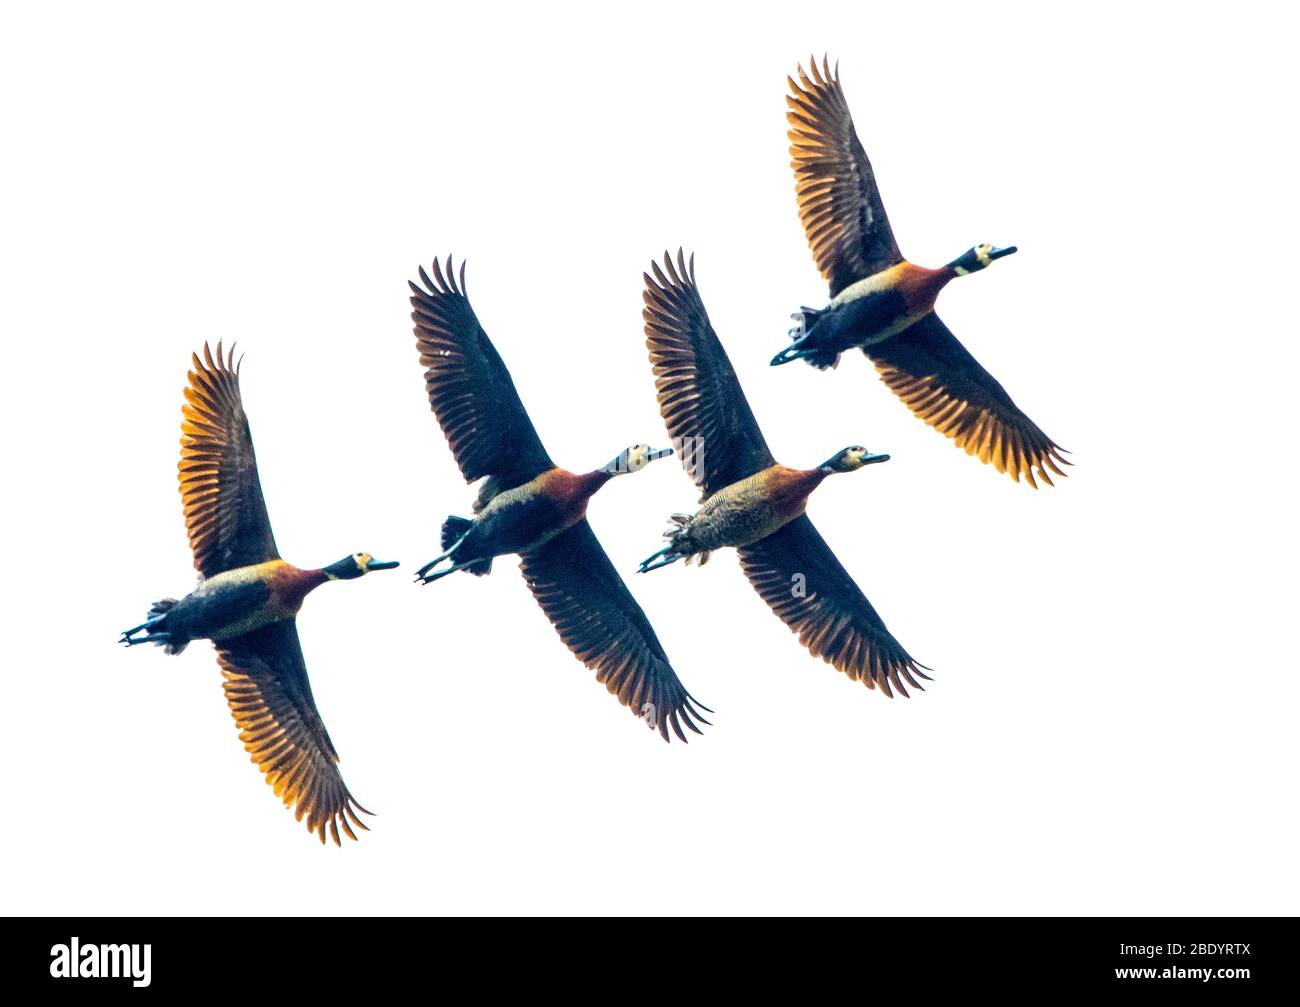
x=469, y=388
x=795, y=572
x=225, y=513
x=942, y=383
x=839, y=203
x=269, y=695
x=596, y=616
x=700, y=398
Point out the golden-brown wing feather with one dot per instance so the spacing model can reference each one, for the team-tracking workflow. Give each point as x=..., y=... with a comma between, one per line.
x=709, y=420
x=225, y=513
x=937, y=378
x=269, y=695
x=470, y=390
x=839, y=204
x=795, y=572
x=596, y=616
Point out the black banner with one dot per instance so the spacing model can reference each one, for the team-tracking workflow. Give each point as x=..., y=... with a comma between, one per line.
x=1217, y=957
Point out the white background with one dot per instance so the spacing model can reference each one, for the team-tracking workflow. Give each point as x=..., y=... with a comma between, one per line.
x=1111, y=728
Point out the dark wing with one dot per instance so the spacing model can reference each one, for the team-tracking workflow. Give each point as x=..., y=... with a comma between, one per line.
x=942, y=383
x=708, y=418
x=225, y=514
x=799, y=577
x=269, y=695
x=839, y=203
x=469, y=387
x=597, y=617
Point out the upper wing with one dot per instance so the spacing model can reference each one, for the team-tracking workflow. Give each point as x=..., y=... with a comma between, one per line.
x=225, y=514
x=700, y=399
x=269, y=695
x=839, y=203
x=943, y=384
x=597, y=617
x=796, y=573
x=469, y=387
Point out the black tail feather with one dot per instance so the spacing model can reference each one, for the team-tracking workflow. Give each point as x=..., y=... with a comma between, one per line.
x=162, y=607
x=453, y=530
x=156, y=629
x=806, y=318
x=804, y=346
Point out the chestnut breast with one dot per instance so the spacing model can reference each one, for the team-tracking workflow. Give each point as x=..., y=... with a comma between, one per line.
x=906, y=290
x=538, y=510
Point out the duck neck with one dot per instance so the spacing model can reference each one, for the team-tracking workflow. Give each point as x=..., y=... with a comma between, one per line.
x=920, y=286
x=810, y=479
x=573, y=493
x=788, y=489
x=590, y=482
x=292, y=584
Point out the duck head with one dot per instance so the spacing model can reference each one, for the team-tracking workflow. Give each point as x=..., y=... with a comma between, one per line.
x=357, y=565
x=634, y=459
x=850, y=460
x=979, y=258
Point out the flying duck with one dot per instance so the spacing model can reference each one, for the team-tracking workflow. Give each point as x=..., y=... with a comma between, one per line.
x=246, y=603
x=752, y=503
x=528, y=506
x=883, y=304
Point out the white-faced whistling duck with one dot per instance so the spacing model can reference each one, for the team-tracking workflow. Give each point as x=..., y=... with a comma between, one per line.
x=883, y=304
x=526, y=505
x=749, y=501
x=246, y=603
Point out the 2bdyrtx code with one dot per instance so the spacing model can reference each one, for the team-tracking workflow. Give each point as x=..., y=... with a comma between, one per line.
x=1152, y=950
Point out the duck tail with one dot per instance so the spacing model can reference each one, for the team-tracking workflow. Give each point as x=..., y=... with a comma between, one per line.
x=161, y=608
x=804, y=346
x=805, y=319
x=155, y=629
x=453, y=530
x=680, y=546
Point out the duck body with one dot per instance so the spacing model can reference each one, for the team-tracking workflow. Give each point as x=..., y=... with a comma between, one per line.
x=744, y=512
x=232, y=604
x=868, y=312
x=520, y=520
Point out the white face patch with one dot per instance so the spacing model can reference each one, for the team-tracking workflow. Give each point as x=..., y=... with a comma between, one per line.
x=982, y=254
x=853, y=457
x=637, y=457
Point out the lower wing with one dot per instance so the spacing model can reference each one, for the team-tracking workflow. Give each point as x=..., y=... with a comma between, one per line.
x=795, y=572
x=596, y=616
x=938, y=379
